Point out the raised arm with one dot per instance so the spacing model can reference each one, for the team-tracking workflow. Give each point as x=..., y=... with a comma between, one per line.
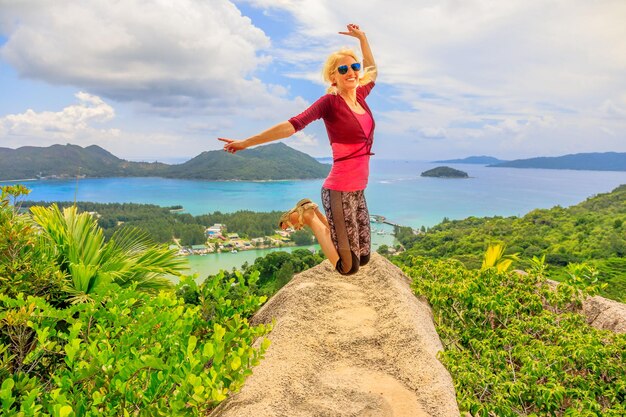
x=368, y=58
x=279, y=131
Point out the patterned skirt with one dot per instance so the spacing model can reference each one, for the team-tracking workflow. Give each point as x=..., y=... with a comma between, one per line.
x=350, y=231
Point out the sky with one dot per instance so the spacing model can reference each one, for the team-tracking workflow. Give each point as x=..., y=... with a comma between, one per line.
x=162, y=79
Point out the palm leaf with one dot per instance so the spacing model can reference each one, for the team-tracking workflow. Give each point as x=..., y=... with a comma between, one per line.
x=495, y=258
x=129, y=258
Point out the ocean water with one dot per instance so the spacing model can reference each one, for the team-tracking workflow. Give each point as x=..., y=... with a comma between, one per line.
x=396, y=191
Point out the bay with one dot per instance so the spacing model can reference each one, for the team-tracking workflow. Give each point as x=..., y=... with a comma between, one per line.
x=396, y=191
x=212, y=263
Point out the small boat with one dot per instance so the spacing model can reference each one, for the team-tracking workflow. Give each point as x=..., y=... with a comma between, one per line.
x=233, y=251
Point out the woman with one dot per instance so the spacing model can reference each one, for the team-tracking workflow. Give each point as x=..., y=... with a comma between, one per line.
x=344, y=233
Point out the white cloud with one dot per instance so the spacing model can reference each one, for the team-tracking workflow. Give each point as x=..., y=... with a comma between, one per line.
x=607, y=131
x=86, y=123
x=508, y=125
x=612, y=110
x=433, y=132
x=69, y=124
x=514, y=76
x=170, y=54
x=305, y=139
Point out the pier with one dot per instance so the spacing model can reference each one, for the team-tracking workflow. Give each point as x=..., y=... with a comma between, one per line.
x=376, y=218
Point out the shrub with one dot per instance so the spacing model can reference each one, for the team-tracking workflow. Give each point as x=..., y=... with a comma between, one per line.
x=515, y=347
x=128, y=353
x=25, y=264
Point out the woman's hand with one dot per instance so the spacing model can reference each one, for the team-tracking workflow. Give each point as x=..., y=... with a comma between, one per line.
x=368, y=58
x=233, y=146
x=354, y=31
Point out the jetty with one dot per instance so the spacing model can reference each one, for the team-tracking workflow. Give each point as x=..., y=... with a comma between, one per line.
x=376, y=218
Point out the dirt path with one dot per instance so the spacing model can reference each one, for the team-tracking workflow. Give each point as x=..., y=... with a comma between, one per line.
x=360, y=345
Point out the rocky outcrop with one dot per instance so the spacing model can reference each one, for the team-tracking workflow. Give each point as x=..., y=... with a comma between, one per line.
x=601, y=312
x=359, y=345
x=606, y=314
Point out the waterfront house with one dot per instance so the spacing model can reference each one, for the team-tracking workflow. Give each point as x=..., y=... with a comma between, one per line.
x=199, y=249
x=215, y=230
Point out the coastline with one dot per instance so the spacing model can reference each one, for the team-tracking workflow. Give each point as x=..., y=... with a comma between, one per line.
x=165, y=178
x=20, y=180
x=395, y=190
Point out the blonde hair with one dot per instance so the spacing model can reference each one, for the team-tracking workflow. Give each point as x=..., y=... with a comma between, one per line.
x=331, y=66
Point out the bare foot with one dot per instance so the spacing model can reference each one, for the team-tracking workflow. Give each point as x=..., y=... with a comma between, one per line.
x=307, y=216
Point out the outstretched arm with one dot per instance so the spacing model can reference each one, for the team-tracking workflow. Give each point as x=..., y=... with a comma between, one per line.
x=368, y=58
x=279, y=131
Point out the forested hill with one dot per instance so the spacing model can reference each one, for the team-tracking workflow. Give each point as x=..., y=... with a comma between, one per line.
x=270, y=162
x=607, y=161
x=593, y=231
x=69, y=161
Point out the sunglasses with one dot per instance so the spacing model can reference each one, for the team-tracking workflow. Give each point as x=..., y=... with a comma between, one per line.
x=343, y=69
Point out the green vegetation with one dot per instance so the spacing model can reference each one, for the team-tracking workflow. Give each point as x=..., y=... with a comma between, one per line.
x=607, y=161
x=276, y=269
x=83, y=330
x=271, y=162
x=515, y=347
x=445, y=172
x=129, y=258
x=163, y=224
x=70, y=161
x=592, y=231
x=80, y=333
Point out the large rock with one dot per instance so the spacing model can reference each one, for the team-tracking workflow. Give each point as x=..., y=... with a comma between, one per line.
x=360, y=345
x=601, y=312
x=605, y=314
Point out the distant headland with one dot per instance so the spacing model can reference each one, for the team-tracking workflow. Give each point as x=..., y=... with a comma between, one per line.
x=598, y=161
x=477, y=160
x=595, y=161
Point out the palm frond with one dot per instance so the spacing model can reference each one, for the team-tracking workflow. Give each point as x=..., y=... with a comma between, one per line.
x=128, y=258
x=495, y=258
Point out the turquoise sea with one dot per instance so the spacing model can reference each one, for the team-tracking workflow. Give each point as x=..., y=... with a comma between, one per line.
x=395, y=191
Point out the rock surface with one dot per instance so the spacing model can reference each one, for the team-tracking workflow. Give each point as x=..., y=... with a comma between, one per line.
x=605, y=314
x=601, y=312
x=359, y=345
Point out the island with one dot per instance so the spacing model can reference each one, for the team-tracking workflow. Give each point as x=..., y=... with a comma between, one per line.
x=272, y=162
x=445, y=172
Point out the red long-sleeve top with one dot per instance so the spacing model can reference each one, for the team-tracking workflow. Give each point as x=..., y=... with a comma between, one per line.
x=350, y=142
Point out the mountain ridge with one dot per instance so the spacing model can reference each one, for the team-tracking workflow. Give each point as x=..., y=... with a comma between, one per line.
x=478, y=160
x=270, y=162
x=590, y=161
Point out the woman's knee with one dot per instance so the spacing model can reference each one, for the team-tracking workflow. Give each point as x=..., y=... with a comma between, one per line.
x=344, y=268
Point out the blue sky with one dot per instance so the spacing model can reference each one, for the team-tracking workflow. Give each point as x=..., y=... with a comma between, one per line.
x=161, y=80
